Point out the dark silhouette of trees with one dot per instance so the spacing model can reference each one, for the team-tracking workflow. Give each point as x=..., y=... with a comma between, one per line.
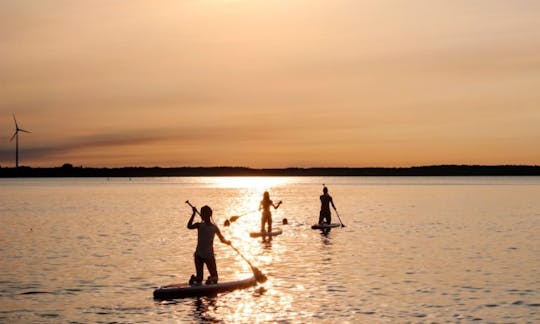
x=68, y=170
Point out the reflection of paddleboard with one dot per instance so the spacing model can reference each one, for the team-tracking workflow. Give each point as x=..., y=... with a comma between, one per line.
x=273, y=233
x=184, y=290
x=325, y=226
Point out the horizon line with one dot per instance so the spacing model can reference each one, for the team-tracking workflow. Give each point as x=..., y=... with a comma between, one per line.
x=68, y=170
x=70, y=165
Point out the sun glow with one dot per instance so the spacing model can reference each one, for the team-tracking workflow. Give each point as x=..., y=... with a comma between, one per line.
x=242, y=213
x=259, y=183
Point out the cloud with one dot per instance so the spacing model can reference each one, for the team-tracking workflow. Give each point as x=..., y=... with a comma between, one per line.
x=190, y=138
x=81, y=143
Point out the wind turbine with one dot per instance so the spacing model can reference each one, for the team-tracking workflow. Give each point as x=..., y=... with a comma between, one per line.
x=16, y=137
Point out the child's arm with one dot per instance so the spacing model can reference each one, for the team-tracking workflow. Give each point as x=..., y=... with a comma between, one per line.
x=221, y=237
x=190, y=224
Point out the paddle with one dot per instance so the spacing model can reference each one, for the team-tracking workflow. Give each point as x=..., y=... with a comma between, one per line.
x=342, y=225
x=190, y=205
x=259, y=276
x=235, y=217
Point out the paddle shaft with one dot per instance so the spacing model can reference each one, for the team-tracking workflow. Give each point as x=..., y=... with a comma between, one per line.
x=243, y=257
x=190, y=205
x=342, y=225
x=259, y=276
x=235, y=217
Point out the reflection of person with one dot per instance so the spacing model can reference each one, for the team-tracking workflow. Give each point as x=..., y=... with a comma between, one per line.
x=325, y=215
x=266, y=216
x=204, y=253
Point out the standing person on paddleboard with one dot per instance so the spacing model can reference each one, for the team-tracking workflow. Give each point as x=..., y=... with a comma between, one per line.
x=266, y=216
x=204, y=253
x=325, y=215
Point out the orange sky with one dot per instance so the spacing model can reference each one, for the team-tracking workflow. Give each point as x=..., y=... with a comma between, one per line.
x=270, y=83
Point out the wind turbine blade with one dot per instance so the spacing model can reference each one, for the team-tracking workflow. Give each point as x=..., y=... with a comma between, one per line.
x=15, y=120
x=22, y=130
x=12, y=137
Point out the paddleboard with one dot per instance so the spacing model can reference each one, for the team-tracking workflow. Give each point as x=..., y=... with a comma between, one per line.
x=325, y=226
x=184, y=290
x=274, y=232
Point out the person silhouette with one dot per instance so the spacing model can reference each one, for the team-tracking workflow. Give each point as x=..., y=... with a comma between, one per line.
x=204, y=253
x=325, y=215
x=266, y=215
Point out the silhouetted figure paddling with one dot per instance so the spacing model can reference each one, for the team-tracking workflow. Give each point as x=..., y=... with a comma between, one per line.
x=325, y=215
x=204, y=253
x=266, y=216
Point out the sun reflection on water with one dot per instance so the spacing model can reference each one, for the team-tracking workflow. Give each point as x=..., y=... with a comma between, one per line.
x=263, y=302
x=249, y=182
x=267, y=301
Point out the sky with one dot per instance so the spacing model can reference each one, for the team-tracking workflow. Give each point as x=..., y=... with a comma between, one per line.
x=270, y=84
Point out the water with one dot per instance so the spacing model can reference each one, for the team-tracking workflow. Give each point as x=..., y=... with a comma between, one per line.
x=413, y=250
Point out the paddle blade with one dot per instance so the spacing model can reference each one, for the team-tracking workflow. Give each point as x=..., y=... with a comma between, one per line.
x=226, y=223
x=259, y=276
x=234, y=218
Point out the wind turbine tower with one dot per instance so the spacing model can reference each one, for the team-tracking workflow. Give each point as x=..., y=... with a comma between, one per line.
x=16, y=137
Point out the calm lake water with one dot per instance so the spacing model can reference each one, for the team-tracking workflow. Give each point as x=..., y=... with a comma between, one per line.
x=434, y=249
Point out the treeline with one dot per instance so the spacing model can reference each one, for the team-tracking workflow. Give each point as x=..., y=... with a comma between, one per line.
x=68, y=170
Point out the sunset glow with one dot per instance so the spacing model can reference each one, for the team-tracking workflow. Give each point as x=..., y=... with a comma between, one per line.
x=305, y=83
x=253, y=183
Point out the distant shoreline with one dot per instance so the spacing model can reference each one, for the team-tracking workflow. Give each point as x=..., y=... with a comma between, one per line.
x=67, y=170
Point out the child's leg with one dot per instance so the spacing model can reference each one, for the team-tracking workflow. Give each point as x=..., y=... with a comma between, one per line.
x=324, y=217
x=199, y=263
x=212, y=269
x=263, y=220
x=329, y=218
